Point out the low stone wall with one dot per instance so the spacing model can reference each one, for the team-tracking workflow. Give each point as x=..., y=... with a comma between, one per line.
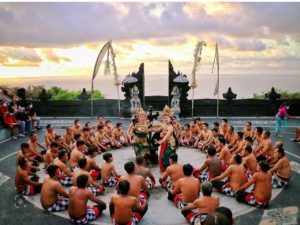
x=202, y=107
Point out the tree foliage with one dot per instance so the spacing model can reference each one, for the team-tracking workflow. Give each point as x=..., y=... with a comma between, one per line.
x=284, y=94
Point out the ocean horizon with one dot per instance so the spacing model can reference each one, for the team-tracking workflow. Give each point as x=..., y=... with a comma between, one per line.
x=244, y=85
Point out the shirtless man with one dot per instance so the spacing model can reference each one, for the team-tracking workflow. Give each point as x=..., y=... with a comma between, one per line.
x=49, y=135
x=142, y=170
x=248, y=131
x=224, y=154
x=79, y=211
x=108, y=129
x=185, y=135
x=86, y=137
x=224, y=127
x=138, y=186
x=109, y=174
x=265, y=151
x=69, y=137
x=238, y=147
x=51, y=154
x=23, y=183
x=230, y=136
x=177, y=127
x=34, y=153
x=101, y=139
x=195, y=131
x=24, y=153
x=236, y=175
x=207, y=204
x=91, y=130
x=261, y=195
x=258, y=137
x=210, y=168
x=174, y=171
x=77, y=154
x=101, y=122
x=207, y=137
x=187, y=189
x=119, y=136
x=93, y=187
x=249, y=161
x=274, y=159
x=217, y=126
x=61, y=145
x=281, y=170
x=95, y=170
x=66, y=175
x=125, y=209
x=53, y=196
x=77, y=129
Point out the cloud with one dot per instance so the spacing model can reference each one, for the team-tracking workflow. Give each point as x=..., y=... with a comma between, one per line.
x=51, y=56
x=250, y=45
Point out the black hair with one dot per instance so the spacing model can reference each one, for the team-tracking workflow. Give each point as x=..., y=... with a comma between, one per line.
x=238, y=158
x=106, y=156
x=124, y=187
x=92, y=149
x=248, y=138
x=232, y=128
x=51, y=170
x=22, y=162
x=216, y=124
x=100, y=127
x=187, y=125
x=86, y=129
x=267, y=132
x=82, y=163
x=187, y=169
x=259, y=130
x=240, y=134
x=61, y=154
x=139, y=160
x=77, y=136
x=48, y=125
x=107, y=121
x=118, y=125
x=82, y=181
x=31, y=134
x=211, y=151
x=264, y=166
x=248, y=148
x=54, y=144
x=24, y=145
x=281, y=150
x=225, y=120
x=226, y=212
x=222, y=140
x=249, y=123
x=206, y=124
x=86, y=124
x=174, y=156
x=129, y=167
x=80, y=142
x=76, y=121
x=215, y=130
x=216, y=219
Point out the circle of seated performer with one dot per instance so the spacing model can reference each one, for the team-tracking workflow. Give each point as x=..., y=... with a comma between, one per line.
x=24, y=184
x=207, y=204
x=126, y=209
x=236, y=175
x=281, y=170
x=78, y=210
x=53, y=196
x=138, y=186
x=187, y=189
x=109, y=174
x=261, y=194
x=66, y=175
x=92, y=186
x=174, y=172
x=142, y=170
x=226, y=212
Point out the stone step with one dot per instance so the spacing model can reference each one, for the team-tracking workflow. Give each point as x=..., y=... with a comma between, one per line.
x=4, y=134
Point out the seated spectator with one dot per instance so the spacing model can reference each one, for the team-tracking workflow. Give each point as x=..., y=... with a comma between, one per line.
x=33, y=117
x=11, y=122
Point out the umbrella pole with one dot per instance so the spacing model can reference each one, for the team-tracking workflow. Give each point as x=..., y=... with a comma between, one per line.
x=92, y=108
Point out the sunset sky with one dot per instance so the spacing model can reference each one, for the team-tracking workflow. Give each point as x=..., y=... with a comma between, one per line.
x=64, y=39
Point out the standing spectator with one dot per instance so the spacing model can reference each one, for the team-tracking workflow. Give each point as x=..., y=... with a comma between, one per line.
x=281, y=116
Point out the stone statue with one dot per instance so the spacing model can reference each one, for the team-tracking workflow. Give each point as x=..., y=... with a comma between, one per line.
x=135, y=100
x=175, y=102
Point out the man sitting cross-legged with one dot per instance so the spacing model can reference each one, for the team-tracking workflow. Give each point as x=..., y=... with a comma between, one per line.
x=66, y=174
x=79, y=211
x=207, y=204
x=138, y=186
x=249, y=161
x=109, y=174
x=126, y=209
x=95, y=188
x=24, y=184
x=186, y=190
x=281, y=170
x=174, y=171
x=142, y=170
x=236, y=177
x=95, y=170
x=53, y=196
x=261, y=195
x=77, y=153
x=210, y=168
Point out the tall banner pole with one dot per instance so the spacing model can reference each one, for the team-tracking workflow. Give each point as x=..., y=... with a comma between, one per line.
x=98, y=63
x=217, y=89
x=116, y=78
